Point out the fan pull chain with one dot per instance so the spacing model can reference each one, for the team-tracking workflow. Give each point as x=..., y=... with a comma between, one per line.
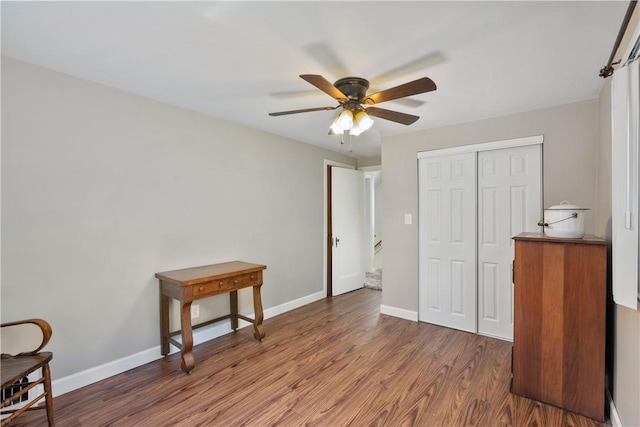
x=350, y=142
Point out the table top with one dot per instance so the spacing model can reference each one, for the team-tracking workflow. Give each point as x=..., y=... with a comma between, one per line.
x=206, y=273
x=588, y=239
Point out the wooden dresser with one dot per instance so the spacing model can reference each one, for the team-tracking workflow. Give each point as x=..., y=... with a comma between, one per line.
x=559, y=322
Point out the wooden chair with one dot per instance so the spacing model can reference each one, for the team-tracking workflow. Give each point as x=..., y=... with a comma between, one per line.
x=16, y=368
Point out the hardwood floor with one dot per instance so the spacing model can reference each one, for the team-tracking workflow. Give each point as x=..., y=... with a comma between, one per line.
x=335, y=362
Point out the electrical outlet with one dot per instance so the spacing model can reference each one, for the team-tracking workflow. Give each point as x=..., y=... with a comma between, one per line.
x=195, y=311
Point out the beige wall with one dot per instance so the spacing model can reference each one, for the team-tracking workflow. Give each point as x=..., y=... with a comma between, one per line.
x=626, y=378
x=603, y=164
x=569, y=173
x=369, y=161
x=101, y=189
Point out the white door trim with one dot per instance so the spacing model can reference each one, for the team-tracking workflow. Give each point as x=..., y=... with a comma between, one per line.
x=484, y=146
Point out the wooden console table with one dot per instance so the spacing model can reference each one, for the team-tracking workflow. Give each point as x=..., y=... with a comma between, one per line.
x=190, y=284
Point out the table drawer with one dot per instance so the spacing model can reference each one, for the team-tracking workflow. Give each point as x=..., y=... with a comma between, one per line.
x=245, y=280
x=218, y=286
x=225, y=285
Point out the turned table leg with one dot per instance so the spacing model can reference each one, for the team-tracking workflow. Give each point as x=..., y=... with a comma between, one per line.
x=188, y=362
x=257, y=308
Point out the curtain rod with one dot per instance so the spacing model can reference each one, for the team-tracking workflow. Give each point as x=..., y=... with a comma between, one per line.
x=607, y=70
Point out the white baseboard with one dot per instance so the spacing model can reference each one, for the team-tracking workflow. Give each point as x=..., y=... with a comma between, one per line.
x=614, y=417
x=207, y=333
x=399, y=312
x=292, y=305
x=98, y=373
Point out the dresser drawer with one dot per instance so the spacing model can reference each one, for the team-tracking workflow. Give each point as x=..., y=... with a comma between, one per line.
x=212, y=288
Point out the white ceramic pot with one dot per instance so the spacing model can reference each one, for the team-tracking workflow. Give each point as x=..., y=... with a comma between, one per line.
x=564, y=220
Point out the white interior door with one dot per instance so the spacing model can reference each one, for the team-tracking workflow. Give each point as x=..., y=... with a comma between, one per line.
x=347, y=224
x=447, y=221
x=509, y=202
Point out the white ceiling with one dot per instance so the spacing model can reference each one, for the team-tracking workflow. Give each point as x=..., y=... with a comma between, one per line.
x=240, y=60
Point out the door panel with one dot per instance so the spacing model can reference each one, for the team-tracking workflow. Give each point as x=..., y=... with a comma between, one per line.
x=347, y=224
x=447, y=220
x=509, y=202
x=490, y=282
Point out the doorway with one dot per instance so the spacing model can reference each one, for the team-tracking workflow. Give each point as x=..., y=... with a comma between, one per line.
x=373, y=227
x=329, y=224
x=369, y=217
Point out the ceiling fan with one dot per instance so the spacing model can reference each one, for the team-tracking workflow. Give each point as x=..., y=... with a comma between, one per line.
x=351, y=94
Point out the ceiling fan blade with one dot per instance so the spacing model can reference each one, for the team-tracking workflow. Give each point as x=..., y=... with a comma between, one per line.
x=295, y=93
x=415, y=87
x=394, y=116
x=305, y=110
x=414, y=66
x=328, y=58
x=326, y=86
x=410, y=102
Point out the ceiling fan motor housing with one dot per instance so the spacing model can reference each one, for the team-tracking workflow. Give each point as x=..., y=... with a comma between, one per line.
x=354, y=87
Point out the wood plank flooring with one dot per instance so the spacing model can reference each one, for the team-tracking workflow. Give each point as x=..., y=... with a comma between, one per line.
x=336, y=362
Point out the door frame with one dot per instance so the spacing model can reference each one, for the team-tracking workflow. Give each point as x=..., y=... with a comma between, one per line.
x=326, y=248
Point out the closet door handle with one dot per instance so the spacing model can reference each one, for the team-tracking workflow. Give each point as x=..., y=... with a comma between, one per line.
x=513, y=275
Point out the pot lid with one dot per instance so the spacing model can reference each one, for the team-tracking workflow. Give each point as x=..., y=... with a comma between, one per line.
x=566, y=206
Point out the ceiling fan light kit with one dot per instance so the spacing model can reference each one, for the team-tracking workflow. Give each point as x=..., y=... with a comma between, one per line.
x=354, y=123
x=351, y=94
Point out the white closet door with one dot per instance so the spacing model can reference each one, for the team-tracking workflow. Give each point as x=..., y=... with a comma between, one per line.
x=509, y=202
x=447, y=221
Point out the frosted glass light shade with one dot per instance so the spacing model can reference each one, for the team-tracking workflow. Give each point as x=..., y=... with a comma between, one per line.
x=363, y=121
x=337, y=130
x=355, y=131
x=345, y=120
x=335, y=127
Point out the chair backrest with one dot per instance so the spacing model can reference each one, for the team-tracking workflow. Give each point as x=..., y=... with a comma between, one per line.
x=24, y=336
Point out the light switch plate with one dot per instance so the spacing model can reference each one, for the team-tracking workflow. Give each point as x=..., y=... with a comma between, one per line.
x=407, y=219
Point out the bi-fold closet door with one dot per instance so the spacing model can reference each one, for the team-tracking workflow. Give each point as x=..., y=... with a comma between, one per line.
x=471, y=204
